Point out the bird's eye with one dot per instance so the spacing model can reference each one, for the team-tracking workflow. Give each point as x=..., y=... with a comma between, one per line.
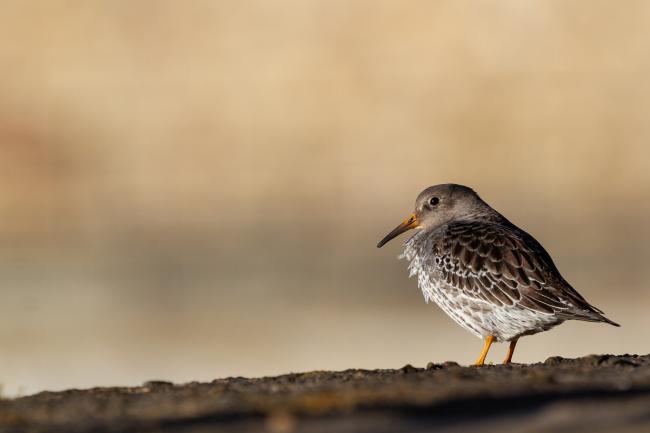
x=434, y=201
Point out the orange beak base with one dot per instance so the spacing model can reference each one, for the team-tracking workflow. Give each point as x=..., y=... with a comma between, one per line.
x=409, y=223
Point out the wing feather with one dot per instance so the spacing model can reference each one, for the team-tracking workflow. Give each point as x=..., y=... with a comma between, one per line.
x=504, y=266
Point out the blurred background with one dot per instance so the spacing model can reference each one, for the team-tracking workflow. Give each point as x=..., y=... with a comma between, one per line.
x=193, y=190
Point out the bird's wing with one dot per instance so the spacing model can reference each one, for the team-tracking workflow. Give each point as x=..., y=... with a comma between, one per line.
x=504, y=266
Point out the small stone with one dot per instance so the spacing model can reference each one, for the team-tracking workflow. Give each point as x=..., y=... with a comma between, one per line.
x=433, y=366
x=408, y=368
x=554, y=360
x=156, y=384
x=626, y=362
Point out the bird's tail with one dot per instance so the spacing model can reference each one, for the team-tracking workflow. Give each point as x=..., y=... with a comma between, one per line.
x=606, y=320
x=583, y=310
x=592, y=315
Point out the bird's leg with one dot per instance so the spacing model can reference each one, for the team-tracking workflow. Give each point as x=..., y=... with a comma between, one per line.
x=486, y=347
x=511, y=350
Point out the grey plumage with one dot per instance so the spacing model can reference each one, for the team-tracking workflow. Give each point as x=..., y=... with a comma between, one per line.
x=490, y=276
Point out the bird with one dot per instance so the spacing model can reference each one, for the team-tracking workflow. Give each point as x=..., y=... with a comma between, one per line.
x=491, y=277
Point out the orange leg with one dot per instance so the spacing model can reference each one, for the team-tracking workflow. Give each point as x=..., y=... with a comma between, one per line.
x=511, y=350
x=481, y=359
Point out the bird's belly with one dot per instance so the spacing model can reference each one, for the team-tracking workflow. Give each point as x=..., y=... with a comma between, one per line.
x=483, y=319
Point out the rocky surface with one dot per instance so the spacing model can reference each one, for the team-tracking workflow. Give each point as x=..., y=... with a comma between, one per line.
x=591, y=394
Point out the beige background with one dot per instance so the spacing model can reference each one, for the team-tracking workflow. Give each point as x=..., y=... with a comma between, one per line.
x=191, y=190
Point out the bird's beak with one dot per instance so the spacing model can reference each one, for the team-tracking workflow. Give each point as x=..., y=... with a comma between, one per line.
x=409, y=223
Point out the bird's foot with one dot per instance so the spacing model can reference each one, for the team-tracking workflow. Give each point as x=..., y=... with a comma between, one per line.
x=481, y=359
x=511, y=351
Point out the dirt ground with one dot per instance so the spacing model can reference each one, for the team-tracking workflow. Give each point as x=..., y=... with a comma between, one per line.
x=591, y=394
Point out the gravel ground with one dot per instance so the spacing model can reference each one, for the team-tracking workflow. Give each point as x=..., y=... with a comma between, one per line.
x=591, y=394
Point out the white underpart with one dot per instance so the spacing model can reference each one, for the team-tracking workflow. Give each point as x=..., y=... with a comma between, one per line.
x=481, y=318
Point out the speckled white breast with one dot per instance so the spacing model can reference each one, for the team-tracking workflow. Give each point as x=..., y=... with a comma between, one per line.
x=481, y=318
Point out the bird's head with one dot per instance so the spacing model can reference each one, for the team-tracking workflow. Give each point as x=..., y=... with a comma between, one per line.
x=437, y=205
